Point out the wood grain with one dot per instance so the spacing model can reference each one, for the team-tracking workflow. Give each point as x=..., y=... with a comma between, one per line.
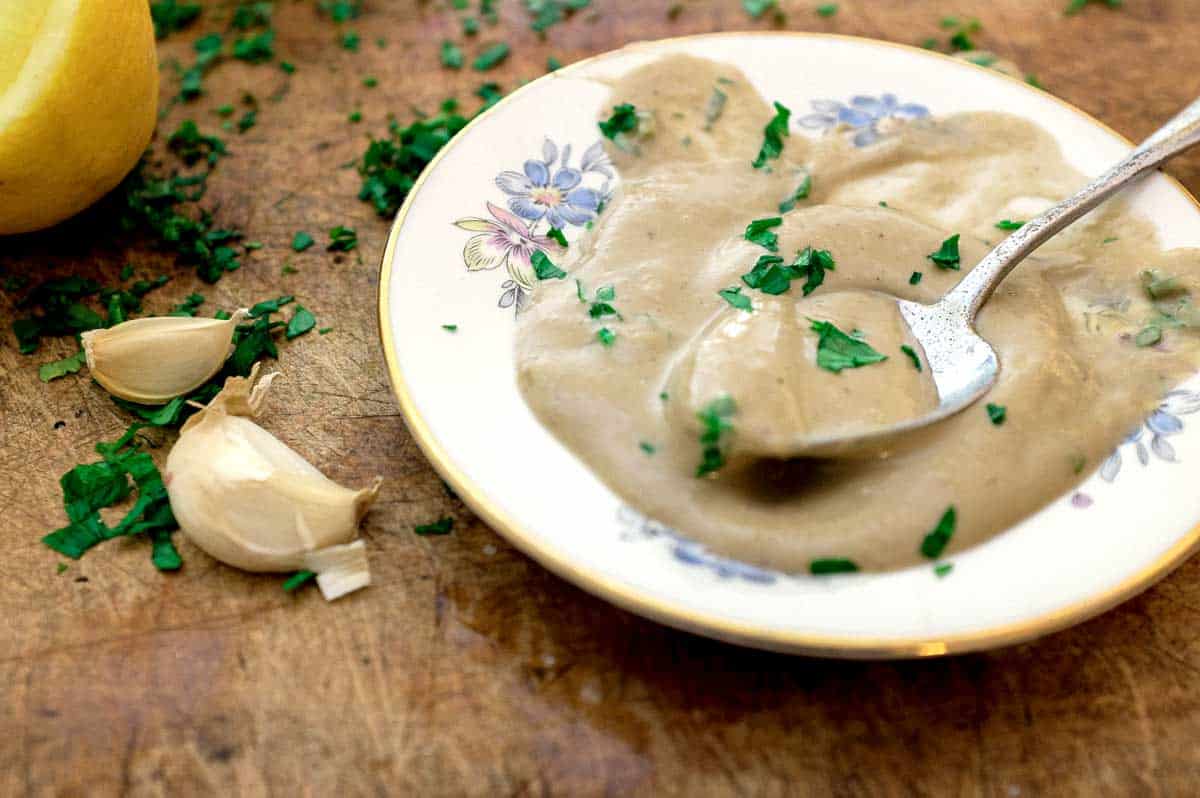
x=466, y=669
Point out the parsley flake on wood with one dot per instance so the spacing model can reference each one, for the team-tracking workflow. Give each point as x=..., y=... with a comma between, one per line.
x=624, y=119
x=298, y=580
x=912, y=355
x=827, y=9
x=756, y=8
x=773, y=134
x=301, y=322
x=342, y=239
x=832, y=565
x=442, y=526
x=715, y=428
x=802, y=191
x=947, y=256
x=997, y=413
x=341, y=10
x=1009, y=224
x=546, y=13
x=390, y=166
x=759, y=232
x=837, y=351
x=170, y=16
x=490, y=93
x=1075, y=6
x=736, y=298
x=491, y=57
x=544, y=268
x=351, y=41
x=191, y=145
x=452, y=55
x=251, y=15
x=936, y=541
x=61, y=368
x=302, y=241
x=256, y=49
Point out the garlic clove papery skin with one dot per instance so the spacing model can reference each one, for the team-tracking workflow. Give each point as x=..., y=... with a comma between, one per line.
x=151, y=361
x=249, y=500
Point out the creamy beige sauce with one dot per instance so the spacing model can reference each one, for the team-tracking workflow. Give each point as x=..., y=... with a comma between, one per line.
x=1072, y=379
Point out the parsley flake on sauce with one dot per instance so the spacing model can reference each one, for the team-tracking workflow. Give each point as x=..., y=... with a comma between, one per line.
x=947, y=256
x=837, y=351
x=715, y=427
x=647, y=447
x=832, y=565
x=769, y=275
x=912, y=355
x=759, y=232
x=736, y=298
x=997, y=413
x=544, y=268
x=811, y=264
x=606, y=336
x=915, y=278
x=624, y=119
x=802, y=191
x=936, y=541
x=557, y=235
x=450, y=327
x=943, y=569
x=1009, y=224
x=773, y=135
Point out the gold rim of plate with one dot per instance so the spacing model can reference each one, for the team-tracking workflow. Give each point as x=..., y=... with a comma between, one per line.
x=856, y=647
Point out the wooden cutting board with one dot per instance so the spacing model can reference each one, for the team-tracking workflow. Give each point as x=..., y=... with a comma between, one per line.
x=465, y=669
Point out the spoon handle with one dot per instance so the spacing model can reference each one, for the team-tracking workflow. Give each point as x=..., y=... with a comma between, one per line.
x=1182, y=132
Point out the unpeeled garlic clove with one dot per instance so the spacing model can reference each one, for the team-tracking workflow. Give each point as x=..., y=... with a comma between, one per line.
x=151, y=361
x=250, y=501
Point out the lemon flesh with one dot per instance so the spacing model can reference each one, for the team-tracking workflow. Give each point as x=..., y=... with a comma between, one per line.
x=78, y=104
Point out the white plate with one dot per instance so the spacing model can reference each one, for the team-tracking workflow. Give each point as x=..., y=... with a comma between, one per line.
x=1127, y=526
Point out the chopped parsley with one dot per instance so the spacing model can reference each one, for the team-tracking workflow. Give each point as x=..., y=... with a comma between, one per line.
x=470, y=26
x=811, y=264
x=452, y=55
x=773, y=135
x=248, y=120
x=557, y=235
x=324, y=331
x=370, y=82
x=191, y=145
x=301, y=322
x=553, y=64
x=715, y=427
x=351, y=41
x=827, y=9
x=759, y=232
x=736, y=298
x=832, y=565
x=256, y=49
x=837, y=351
x=61, y=368
x=298, y=580
x=936, y=541
x=756, y=8
x=648, y=448
x=1009, y=224
x=943, y=569
x=1075, y=6
x=342, y=239
x=545, y=268
x=997, y=413
x=170, y=16
x=624, y=119
x=490, y=93
x=301, y=241
x=606, y=336
x=390, y=166
x=802, y=191
x=354, y=117
x=490, y=57
x=1148, y=336
x=771, y=276
x=915, y=278
x=947, y=256
x=341, y=10
x=601, y=307
x=546, y=13
x=442, y=526
x=715, y=107
x=450, y=327
x=912, y=355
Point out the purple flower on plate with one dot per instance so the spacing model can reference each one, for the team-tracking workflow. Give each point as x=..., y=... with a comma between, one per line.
x=556, y=193
x=1162, y=423
x=507, y=241
x=868, y=116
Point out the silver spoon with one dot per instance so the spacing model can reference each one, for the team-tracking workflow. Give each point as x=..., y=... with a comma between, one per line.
x=963, y=365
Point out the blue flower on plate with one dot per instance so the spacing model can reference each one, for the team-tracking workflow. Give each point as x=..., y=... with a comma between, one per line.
x=1162, y=423
x=867, y=116
x=552, y=189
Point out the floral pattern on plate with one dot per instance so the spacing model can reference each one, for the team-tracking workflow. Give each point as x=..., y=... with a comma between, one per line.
x=869, y=118
x=548, y=193
x=1162, y=423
